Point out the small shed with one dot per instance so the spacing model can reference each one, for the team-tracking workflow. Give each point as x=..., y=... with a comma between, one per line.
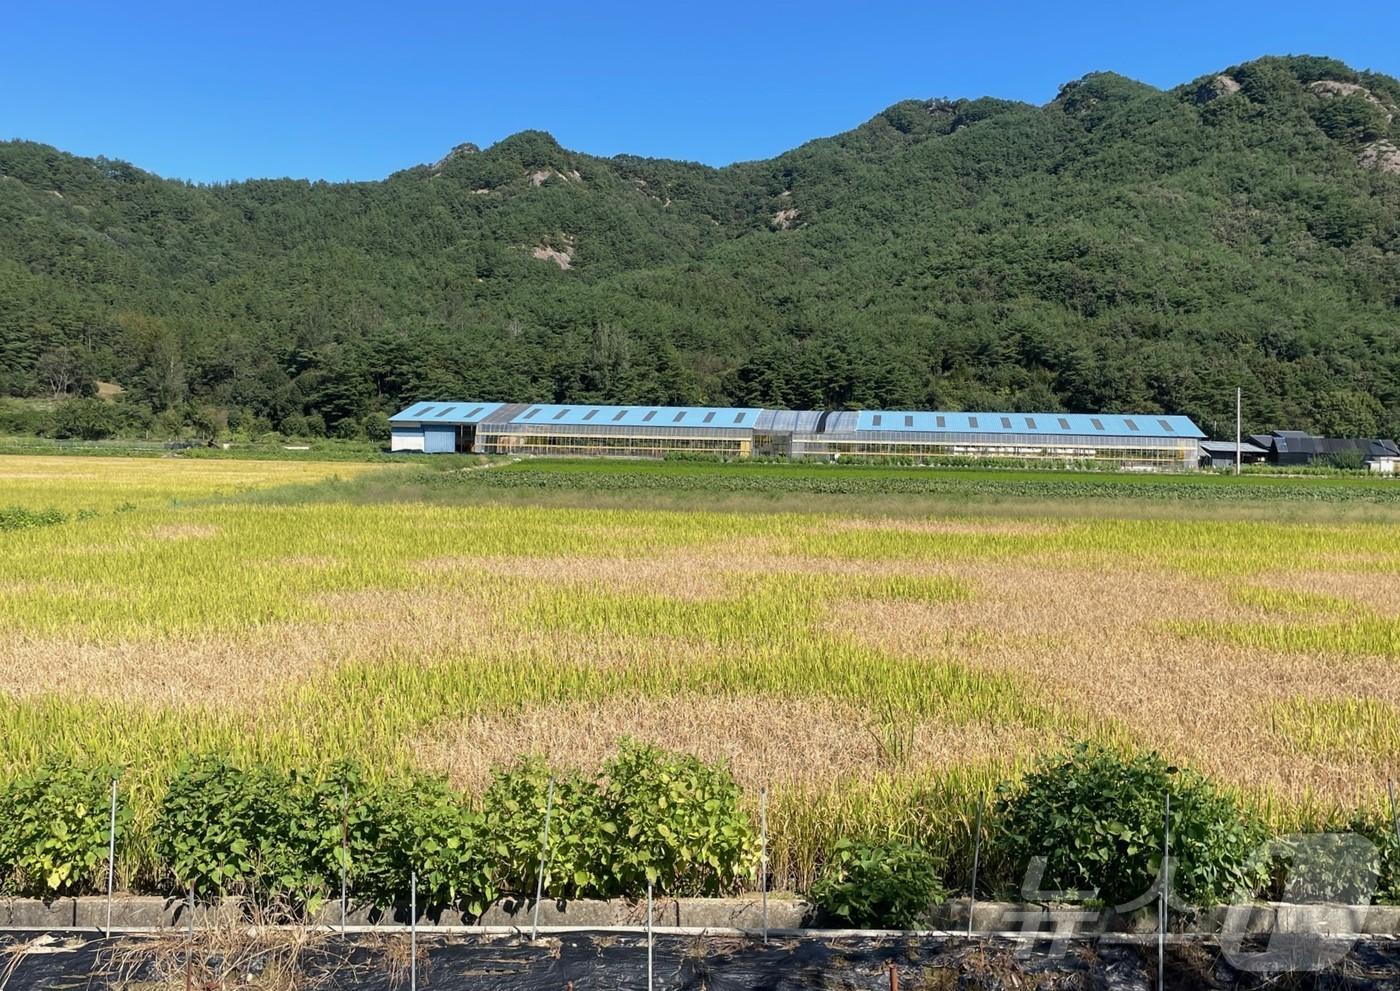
x=1221, y=453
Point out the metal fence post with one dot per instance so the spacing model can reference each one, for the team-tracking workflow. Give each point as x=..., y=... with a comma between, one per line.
x=976, y=861
x=1394, y=811
x=1165, y=897
x=344, y=853
x=649, y=939
x=763, y=854
x=111, y=857
x=413, y=931
x=544, y=847
x=189, y=942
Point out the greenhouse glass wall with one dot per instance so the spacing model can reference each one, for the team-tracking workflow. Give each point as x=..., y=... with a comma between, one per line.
x=1144, y=442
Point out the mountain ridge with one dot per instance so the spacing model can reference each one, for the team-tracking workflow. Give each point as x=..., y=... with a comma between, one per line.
x=1119, y=247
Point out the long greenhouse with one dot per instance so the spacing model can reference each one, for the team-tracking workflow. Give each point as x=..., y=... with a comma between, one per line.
x=1145, y=441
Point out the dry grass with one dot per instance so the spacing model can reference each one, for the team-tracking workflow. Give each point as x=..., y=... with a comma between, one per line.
x=183, y=531
x=1097, y=639
x=1379, y=592
x=230, y=671
x=948, y=526
x=794, y=743
x=234, y=955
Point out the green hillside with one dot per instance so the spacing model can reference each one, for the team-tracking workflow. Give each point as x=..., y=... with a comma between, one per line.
x=1121, y=247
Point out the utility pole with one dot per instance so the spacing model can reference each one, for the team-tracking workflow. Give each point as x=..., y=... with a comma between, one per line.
x=1239, y=419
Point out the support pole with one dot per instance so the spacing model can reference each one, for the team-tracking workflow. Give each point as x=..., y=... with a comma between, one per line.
x=413, y=931
x=649, y=939
x=763, y=855
x=976, y=861
x=1165, y=896
x=539, y=877
x=111, y=858
x=344, y=854
x=189, y=943
x=1239, y=420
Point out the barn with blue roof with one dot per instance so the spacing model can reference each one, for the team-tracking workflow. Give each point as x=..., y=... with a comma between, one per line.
x=1147, y=441
x=438, y=428
x=626, y=431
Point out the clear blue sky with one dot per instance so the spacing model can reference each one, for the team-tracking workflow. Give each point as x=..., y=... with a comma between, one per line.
x=212, y=91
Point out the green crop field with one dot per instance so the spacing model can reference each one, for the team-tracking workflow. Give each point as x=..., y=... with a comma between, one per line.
x=954, y=484
x=874, y=671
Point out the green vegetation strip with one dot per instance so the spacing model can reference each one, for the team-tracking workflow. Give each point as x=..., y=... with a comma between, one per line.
x=956, y=483
x=1370, y=637
x=19, y=518
x=1339, y=727
x=649, y=817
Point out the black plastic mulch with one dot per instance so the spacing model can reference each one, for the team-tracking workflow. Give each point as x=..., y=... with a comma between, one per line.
x=609, y=962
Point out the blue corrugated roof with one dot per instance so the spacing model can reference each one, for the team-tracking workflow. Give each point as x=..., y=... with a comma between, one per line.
x=1079, y=424
x=910, y=421
x=445, y=413
x=713, y=417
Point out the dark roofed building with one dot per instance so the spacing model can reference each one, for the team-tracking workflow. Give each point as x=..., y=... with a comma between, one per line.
x=1221, y=453
x=1295, y=447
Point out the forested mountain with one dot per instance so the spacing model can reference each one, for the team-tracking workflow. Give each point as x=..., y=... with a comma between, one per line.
x=1120, y=248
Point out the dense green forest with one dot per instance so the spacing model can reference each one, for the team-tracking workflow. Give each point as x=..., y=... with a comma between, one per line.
x=1120, y=248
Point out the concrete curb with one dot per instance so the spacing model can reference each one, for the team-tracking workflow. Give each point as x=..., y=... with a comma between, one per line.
x=745, y=914
x=148, y=912
x=1255, y=918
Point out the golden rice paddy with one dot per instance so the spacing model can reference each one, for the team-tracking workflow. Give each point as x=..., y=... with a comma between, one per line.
x=874, y=674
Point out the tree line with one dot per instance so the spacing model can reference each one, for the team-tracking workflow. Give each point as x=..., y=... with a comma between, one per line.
x=1120, y=248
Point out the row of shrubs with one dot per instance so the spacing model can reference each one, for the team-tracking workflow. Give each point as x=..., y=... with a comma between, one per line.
x=1096, y=817
x=649, y=817
x=20, y=518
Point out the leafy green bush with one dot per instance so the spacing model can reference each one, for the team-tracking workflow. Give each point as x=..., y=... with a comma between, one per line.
x=652, y=816
x=54, y=829
x=85, y=419
x=1346, y=864
x=20, y=417
x=674, y=821
x=513, y=810
x=323, y=821
x=1096, y=816
x=1382, y=831
x=1349, y=459
x=276, y=836
x=19, y=518
x=419, y=824
x=218, y=826
x=888, y=885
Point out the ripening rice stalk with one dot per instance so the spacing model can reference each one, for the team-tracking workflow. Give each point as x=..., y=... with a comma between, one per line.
x=1361, y=729
x=302, y=632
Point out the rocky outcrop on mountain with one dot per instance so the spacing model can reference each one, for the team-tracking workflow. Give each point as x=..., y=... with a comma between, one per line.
x=1383, y=156
x=1216, y=87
